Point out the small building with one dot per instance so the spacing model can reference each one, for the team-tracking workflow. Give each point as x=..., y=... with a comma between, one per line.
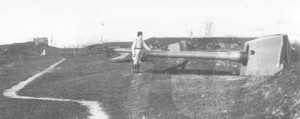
x=41, y=41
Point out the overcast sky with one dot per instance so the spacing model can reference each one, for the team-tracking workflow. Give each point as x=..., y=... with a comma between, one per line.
x=80, y=21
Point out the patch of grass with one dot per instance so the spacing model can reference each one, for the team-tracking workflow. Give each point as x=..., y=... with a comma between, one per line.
x=206, y=97
x=15, y=72
x=11, y=74
x=36, y=109
x=90, y=77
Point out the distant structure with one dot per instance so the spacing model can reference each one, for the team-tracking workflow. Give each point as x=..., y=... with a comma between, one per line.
x=43, y=53
x=40, y=41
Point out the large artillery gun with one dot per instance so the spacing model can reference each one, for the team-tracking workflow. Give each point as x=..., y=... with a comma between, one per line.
x=266, y=55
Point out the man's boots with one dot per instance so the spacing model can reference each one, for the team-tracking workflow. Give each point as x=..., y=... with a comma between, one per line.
x=134, y=68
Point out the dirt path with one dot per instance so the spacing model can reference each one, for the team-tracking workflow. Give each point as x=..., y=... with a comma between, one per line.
x=93, y=106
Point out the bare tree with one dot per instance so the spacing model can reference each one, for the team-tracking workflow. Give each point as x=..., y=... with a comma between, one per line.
x=209, y=27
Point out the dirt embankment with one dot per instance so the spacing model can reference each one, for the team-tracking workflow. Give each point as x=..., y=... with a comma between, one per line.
x=277, y=97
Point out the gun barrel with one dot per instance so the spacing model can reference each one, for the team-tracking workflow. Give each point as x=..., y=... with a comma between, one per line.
x=236, y=56
x=232, y=56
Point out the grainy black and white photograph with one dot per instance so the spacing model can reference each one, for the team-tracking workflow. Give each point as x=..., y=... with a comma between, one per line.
x=149, y=59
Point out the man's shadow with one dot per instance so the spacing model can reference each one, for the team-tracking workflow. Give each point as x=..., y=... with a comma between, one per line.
x=157, y=92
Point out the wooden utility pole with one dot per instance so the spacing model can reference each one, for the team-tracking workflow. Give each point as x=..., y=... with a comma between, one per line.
x=102, y=27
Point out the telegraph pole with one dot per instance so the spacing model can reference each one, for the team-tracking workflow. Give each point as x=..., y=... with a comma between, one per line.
x=191, y=34
x=51, y=39
x=102, y=27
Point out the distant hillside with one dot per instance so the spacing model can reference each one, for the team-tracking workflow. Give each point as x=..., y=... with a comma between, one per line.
x=163, y=41
x=22, y=51
x=203, y=43
x=27, y=49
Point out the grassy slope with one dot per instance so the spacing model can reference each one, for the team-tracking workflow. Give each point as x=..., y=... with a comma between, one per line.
x=33, y=109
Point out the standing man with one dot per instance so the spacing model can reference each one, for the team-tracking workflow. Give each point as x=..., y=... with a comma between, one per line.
x=137, y=46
